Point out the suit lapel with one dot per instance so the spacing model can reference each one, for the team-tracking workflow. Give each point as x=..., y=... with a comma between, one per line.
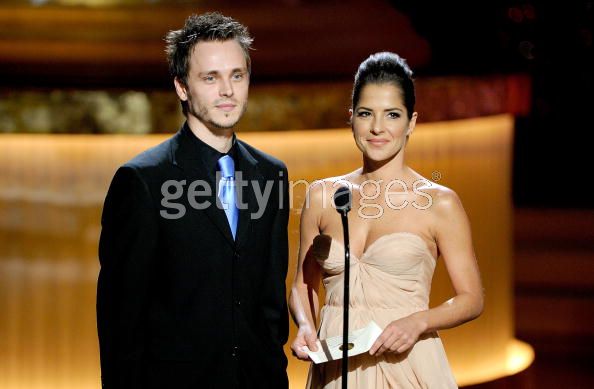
x=247, y=165
x=184, y=157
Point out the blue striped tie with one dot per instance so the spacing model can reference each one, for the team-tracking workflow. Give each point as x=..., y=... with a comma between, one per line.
x=227, y=193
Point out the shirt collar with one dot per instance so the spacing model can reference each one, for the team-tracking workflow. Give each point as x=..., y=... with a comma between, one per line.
x=208, y=154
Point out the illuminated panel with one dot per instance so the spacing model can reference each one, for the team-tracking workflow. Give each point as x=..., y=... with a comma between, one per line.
x=52, y=188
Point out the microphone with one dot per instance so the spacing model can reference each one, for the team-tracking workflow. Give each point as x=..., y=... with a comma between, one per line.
x=342, y=201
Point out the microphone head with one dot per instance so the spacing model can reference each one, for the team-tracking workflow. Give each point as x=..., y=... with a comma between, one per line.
x=342, y=199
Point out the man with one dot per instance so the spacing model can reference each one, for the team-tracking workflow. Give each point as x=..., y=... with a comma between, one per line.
x=191, y=292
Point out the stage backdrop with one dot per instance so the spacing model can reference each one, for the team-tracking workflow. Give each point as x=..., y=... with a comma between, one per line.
x=51, y=193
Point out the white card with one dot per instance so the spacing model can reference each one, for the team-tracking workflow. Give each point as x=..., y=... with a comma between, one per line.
x=360, y=341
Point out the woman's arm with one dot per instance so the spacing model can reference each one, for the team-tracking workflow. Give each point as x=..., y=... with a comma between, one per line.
x=454, y=240
x=303, y=301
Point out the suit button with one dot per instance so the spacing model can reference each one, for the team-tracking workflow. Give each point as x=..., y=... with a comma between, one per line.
x=237, y=302
x=235, y=352
x=236, y=255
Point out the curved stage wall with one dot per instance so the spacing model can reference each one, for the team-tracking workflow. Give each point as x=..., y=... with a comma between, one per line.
x=51, y=192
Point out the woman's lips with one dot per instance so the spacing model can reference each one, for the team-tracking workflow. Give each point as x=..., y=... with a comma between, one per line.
x=377, y=142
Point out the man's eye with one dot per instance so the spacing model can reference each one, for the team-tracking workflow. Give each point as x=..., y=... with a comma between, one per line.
x=208, y=78
x=238, y=76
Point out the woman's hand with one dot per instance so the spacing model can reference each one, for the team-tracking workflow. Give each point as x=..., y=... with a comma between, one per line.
x=305, y=337
x=399, y=336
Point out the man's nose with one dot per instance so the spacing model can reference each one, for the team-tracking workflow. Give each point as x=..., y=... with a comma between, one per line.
x=225, y=88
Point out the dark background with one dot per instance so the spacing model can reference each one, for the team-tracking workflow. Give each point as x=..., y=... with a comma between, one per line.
x=550, y=41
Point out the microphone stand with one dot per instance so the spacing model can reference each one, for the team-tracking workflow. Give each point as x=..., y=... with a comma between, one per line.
x=342, y=202
x=346, y=299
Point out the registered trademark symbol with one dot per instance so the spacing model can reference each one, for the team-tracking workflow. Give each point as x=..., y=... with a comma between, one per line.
x=436, y=176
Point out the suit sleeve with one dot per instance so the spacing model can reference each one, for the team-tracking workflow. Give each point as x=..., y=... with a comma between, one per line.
x=274, y=301
x=127, y=251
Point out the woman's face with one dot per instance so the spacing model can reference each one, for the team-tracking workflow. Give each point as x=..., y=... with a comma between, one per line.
x=380, y=121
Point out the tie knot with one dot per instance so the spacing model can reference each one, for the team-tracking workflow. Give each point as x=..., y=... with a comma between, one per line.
x=227, y=166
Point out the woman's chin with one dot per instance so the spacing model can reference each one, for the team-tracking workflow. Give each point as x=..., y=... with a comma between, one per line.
x=379, y=157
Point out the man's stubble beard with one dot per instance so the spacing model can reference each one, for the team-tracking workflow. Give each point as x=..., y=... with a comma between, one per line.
x=201, y=112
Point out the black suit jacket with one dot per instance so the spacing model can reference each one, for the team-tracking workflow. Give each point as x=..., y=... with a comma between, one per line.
x=180, y=303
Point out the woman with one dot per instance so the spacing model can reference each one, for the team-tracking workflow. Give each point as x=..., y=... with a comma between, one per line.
x=399, y=225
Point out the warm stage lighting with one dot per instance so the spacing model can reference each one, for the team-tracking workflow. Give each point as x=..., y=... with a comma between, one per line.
x=51, y=192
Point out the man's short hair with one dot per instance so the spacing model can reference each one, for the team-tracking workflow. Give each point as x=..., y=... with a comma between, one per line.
x=210, y=26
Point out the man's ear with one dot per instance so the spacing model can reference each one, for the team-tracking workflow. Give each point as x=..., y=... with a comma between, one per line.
x=180, y=89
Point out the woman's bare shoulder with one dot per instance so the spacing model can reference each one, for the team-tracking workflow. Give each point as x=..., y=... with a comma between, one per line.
x=329, y=185
x=445, y=202
x=319, y=192
x=439, y=197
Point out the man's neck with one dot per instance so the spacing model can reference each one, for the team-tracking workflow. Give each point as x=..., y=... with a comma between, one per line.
x=219, y=139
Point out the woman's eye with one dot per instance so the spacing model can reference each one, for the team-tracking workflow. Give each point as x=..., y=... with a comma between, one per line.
x=363, y=114
x=393, y=115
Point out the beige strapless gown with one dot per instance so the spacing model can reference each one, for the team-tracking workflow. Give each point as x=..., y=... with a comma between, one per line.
x=391, y=280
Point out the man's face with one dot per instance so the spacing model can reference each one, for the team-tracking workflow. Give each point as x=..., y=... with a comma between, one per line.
x=217, y=85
